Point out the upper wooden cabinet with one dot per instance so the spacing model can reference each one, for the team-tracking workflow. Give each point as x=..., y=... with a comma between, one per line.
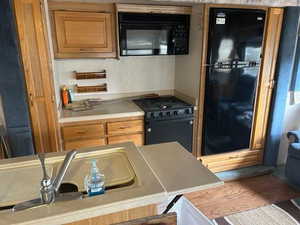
x=82, y=34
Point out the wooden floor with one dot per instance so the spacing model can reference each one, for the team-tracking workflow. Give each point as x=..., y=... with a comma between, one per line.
x=241, y=195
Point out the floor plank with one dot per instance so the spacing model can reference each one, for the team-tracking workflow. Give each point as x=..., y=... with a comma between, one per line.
x=241, y=195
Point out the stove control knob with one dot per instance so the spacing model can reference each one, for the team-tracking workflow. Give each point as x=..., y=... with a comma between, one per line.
x=161, y=114
x=187, y=111
x=168, y=113
x=175, y=113
x=149, y=130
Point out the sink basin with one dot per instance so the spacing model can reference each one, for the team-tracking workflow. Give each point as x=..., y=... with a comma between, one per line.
x=112, y=162
x=22, y=182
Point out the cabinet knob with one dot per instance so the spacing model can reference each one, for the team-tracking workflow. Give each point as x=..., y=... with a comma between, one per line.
x=191, y=122
x=149, y=130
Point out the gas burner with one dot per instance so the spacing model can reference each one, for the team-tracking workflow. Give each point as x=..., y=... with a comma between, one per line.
x=165, y=107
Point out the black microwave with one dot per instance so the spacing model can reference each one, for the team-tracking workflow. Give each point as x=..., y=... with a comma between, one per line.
x=153, y=34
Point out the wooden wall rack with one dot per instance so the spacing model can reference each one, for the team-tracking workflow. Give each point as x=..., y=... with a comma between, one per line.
x=90, y=75
x=94, y=88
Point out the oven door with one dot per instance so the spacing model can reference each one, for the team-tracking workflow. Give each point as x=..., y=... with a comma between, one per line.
x=180, y=130
x=146, y=39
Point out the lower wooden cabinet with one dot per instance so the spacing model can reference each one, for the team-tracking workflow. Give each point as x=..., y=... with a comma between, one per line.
x=68, y=145
x=137, y=139
x=77, y=135
x=118, y=217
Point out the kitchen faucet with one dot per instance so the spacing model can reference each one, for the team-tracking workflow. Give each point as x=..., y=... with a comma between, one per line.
x=49, y=191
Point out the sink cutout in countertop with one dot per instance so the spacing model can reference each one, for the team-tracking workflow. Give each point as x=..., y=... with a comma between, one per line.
x=23, y=182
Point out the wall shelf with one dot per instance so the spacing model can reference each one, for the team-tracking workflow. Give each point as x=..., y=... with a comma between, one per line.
x=94, y=88
x=90, y=75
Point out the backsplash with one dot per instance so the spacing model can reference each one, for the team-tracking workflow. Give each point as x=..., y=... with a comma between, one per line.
x=127, y=75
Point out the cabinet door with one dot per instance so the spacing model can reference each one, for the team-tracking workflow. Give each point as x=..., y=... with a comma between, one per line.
x=137, y=139
x=83, y=32
x=38, y=76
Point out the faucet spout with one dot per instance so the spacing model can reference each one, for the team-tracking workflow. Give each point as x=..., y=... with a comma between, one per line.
x=63, y=169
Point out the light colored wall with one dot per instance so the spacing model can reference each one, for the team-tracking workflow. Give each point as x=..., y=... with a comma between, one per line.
x=187, y=67
x=291, y=122
x=127, y=75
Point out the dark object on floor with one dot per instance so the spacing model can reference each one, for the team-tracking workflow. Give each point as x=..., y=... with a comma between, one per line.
x=293, y=159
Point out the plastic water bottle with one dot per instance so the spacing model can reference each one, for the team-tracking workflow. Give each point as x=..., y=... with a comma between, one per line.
x=94, y=182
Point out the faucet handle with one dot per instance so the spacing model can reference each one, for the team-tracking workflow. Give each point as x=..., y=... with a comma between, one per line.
x=46, y=178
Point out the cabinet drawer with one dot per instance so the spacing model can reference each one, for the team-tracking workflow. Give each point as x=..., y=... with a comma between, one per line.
x=125, y=127
x=137, y=139
x=83, y=132
x=69, y=145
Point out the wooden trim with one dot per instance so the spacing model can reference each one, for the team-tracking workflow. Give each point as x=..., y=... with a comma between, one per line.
x=38, y=74
x=80, y=6
x=232, y=160
x=154, y=9
x=234, y=6
x=227, y=161
x=266, y=80
x=200, y=114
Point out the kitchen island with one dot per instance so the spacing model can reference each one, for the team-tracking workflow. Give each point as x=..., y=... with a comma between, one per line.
x=161, y=172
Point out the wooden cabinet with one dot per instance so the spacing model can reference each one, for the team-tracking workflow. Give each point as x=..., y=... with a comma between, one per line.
x=84, y=34
x=102, y=132
x=38, y=75
x=137, y=139
x=125, y=127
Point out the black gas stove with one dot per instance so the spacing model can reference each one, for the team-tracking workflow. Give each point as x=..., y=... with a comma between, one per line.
x=165, y=108
x=167, y=119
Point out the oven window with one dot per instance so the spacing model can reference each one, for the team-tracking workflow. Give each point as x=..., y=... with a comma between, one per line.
x=146, y=42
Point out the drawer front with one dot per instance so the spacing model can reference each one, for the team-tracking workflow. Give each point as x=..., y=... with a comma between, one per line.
x=137, y=139
x=125, y=127
x=70, y=145
x=83, y=132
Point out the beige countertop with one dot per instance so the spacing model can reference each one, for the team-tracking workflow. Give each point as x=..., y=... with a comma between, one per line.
x=162, y=170
x=103, y=110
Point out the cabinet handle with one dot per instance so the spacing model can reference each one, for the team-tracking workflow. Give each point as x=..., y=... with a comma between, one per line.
x=124, y=127
x=81, y=132
x=84, y=50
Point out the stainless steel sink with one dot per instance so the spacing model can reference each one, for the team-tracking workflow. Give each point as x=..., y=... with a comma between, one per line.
x=113, y=162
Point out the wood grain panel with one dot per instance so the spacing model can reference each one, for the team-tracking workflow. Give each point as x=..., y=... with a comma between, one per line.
x=85, y=50
x=164, y=219
x=83, y=132
x=81, y=6
x=241, y=195
x=130, y=214
x=38, y=75
x=232, y=160
x=137, y=139
x=116, y=128
x=83, y=31
x=266, y=79
x=69, y=145
x=154, y=9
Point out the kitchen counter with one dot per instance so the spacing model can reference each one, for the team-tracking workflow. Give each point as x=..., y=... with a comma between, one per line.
x=159, y=175
x=103, y=110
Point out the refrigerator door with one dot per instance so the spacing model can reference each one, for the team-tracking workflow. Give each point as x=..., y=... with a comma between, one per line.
x=234, y=57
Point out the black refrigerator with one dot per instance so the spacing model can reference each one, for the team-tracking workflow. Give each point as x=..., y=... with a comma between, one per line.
x=13, y=104
x=233, y=61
